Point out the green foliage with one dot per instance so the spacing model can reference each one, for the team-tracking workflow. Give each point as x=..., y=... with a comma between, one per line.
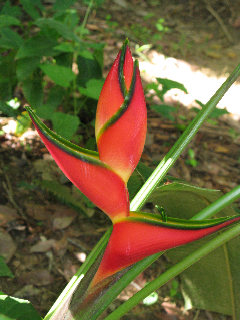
x=63, y=193
x=217, y=112
x=43, y=52
x=17, y=309
x=165, y=86
x=205, y=284
x=4, y=270
x=191, y=161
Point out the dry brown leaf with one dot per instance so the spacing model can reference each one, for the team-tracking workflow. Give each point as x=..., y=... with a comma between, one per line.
x=221, y=149
x=63, y=218
x=43, y=246
x=7, y=246
x=37, y=211
x=7, y=215
x=38, y=278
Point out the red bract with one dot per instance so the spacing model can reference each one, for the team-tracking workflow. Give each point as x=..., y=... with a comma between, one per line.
x=120, y=132
x=121, y=116
x=141, y=235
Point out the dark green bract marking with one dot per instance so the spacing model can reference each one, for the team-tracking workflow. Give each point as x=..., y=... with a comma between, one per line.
x=174, y=223
x=121, y=78
x=87, y=156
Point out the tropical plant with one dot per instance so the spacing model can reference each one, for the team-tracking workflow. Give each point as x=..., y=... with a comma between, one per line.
x=136, y=238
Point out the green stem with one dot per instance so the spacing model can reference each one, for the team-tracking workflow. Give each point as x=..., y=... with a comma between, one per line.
x=218, y=205
x=174, y=271
x=71, y=286
x=169, y=160
x=85, y=18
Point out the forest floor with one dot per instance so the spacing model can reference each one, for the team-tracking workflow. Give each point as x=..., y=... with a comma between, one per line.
x=45, y=241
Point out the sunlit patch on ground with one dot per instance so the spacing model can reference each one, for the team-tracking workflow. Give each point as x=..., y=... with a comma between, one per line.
x=201, y=83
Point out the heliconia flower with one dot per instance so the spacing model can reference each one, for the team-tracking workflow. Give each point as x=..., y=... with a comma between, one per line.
x=120, y=133
x=142, y=234
x=121, y=120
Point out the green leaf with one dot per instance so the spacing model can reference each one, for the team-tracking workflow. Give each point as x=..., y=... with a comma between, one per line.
x=10, y=39
x=13, y=11
x=165, y=110
x=61, y=75
x=61, y=28
x=4, y=270
x=23, y=123
x=183, y=200
x=65, y=124
x=17, y=309
x=6, y=110
x=208, y=286
x=93, y=89
x=55, y=97
x=26, y=66
x=29, y=7
x=7, y=20
x=38, y=46
x=62, y=5
x=65, y=47
x=170, y=84
x=33, y=91
x=64, y=59
x=88, y=68
x=144, y=171
x=63, y=193
x=217, y=112
x=134, y=184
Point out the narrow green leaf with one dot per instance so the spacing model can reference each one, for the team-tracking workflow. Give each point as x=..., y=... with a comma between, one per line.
x=61, y=28
x=164, y=110
x=93, y=88
x=29, y=7
x=61, y=75
x=7, y=20
x=170, y=84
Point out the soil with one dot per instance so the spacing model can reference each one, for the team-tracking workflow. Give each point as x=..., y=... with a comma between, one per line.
x=46, y=241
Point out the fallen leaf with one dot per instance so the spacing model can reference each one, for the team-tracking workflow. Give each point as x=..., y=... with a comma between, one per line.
x=221, y=149
x=38, y=278
x=37, y=211
x=43, y=246
x=27, y=291
x=7, y=215
x=7, y=246
x=63, y=218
